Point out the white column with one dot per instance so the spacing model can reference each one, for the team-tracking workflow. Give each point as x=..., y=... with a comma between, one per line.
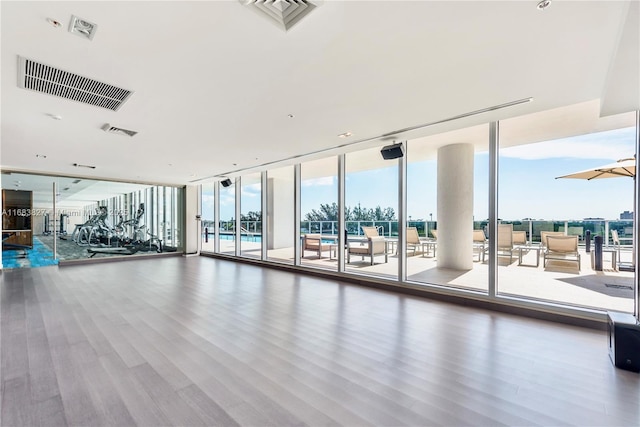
x=455, y=207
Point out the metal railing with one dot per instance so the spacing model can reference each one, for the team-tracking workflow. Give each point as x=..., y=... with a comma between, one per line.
x=533, y=228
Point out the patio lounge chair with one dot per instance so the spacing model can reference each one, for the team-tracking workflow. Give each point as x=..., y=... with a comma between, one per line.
x=313, y=242
x=519, y=238
x=544, y=234
x=562, y=248
x=615, y=240
x=616, y=244
x=480, y=243
x=505, y=241
x=434, y=233
x=413, y=240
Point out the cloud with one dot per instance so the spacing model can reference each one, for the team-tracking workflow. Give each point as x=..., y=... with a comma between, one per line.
x=208, y=200
x=252, y=190
x=228, y=196
x=611, y=145
x=324, y=181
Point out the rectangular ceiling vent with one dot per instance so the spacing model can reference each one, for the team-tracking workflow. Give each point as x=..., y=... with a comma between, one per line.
x=53, y=81
x=284, y=13
x=119, y=131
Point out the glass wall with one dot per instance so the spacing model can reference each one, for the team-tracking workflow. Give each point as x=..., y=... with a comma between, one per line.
x=447, y=209
x=541, y=195
x=371, y=206
x=551, y=216
x=279, y=218
x=319, y=213
x=208, y=216
x=93, y=219
x=251, y=216
x=227, y=221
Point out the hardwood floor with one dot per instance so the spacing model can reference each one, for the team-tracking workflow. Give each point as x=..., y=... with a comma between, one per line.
x=199, y=341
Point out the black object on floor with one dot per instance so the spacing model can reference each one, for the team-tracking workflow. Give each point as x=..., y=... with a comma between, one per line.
x=624, y=341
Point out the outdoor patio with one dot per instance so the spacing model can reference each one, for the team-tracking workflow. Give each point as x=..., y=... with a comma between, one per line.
x=559, y=281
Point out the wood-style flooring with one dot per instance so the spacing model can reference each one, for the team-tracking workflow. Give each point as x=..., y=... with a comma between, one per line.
x=199, y=341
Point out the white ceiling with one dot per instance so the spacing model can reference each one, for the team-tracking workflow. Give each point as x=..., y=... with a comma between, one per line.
x=214, y=82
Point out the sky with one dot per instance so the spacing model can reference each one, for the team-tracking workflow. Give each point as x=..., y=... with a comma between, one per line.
x=527, y=183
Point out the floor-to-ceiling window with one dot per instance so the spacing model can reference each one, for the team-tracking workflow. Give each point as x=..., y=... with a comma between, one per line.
x=251, y=216
x=279, y=218
x=371, y=213
x=319, y=213
x=551, y=216
x=227, y=220
x=447, y=209
x=208, y=216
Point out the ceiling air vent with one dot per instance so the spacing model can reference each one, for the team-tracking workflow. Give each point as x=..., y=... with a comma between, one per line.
x=119, y=131
x=53, y=81
x=284, y=13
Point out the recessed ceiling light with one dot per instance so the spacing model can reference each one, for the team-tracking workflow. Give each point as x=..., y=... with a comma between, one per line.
x=55, y=116
x=291, y=116
x=54, y=22
x=82, y=27
x=345, y=135
x=544, y=4
x=41, y=156
x=235, y=164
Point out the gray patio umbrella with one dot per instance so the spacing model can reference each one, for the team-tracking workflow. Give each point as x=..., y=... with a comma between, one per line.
x=623, y=167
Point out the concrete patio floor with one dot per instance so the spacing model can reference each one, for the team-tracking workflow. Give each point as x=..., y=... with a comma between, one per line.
x=558, y=282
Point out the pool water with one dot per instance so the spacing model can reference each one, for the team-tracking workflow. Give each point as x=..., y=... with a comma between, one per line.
x=256, y=238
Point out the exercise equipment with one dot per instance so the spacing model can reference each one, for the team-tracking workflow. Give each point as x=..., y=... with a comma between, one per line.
x=47, y=225
x=126, y=238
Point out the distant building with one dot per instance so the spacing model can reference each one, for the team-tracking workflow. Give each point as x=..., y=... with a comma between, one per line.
x=626, y=215
x=593, y=219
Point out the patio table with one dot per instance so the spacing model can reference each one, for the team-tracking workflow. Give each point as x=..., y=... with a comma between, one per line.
x=532, y=246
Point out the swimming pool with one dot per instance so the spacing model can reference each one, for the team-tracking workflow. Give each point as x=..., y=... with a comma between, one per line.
x=256, y=238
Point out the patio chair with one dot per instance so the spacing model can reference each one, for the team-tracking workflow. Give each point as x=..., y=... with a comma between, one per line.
x=413, y=240
x=617, y=245
x=519, y=238
x=561, y=248
x=370, y=231
x=434, y=233
x=505, y=241
x=371, y=247
x=480, y=245
x=616, y=239
x=313, y=242
x=544, y=234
